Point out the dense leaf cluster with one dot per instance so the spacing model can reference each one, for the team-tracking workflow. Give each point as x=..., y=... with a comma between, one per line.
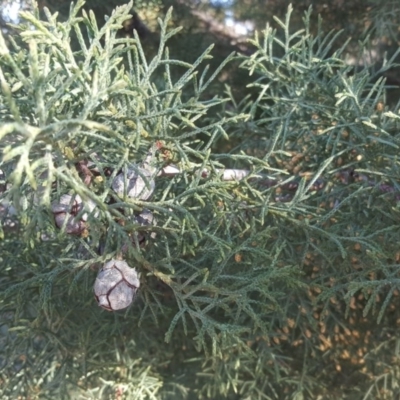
x=268, y=286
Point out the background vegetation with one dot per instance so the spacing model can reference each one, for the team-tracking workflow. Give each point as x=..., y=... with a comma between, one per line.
x=281, y=285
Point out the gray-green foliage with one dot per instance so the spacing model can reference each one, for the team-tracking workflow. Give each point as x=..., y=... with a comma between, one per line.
x=232, y=262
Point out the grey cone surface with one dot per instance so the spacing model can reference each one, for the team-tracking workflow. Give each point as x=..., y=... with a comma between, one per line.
x=136, y=186
x=116, y=285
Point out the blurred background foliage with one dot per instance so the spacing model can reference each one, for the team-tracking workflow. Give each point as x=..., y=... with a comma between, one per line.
x=346, y=354
x=228, y=24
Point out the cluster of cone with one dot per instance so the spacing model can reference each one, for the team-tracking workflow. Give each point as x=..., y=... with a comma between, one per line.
x=116, y=283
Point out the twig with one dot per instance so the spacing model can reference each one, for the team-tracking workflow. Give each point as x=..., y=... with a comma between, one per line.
x=345, y=176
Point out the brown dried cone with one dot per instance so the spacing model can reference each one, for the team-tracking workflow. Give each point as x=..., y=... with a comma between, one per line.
x=66, y=210
x=116, y=285
x=137, y=183
x=145, y=218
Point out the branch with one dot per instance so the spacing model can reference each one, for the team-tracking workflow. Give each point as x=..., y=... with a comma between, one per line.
x=346, y=176
x=8, y=212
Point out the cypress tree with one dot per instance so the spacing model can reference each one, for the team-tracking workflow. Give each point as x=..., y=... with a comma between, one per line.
x=263, y=229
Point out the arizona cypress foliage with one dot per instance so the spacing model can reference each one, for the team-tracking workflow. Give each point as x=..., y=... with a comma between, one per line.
x=269, y=267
